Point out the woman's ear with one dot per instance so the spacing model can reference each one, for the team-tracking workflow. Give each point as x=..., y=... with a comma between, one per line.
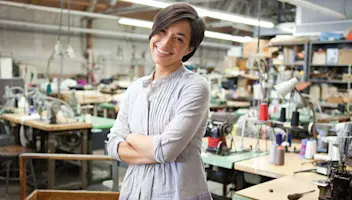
x=189, y=50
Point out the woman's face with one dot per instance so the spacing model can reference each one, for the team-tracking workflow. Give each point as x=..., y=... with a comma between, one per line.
x=171, y=44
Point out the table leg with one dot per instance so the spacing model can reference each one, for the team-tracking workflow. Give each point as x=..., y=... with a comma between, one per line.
x=84, y=163
x=224, y=190
x=105, y=112
x=115, y=175
x=95, y=110
x=51, y=166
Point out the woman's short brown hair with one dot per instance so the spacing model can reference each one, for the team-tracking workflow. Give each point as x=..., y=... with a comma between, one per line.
x=177, y=12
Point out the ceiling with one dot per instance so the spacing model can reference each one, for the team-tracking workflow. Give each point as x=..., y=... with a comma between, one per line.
x=272, y=10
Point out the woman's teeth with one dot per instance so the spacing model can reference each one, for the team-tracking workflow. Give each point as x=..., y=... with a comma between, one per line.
x=163, y=52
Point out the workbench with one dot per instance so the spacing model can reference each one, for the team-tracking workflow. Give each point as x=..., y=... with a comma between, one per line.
x=284, y=186
x=98, y=122
x=48, y=132
x=261, y=166
x=230, y=105
x=87, y=97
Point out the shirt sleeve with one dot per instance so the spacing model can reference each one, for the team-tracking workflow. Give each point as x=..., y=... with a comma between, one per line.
x=192, y=106
x=120, y=130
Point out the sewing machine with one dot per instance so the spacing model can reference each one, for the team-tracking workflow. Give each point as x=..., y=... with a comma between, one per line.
x=219, y=125
x=338, y=186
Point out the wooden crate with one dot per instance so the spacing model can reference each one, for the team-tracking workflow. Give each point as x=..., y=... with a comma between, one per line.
x=68, y=194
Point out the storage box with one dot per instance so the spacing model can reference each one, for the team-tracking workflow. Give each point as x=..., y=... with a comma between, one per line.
x=346, y=77
x=345, y=57
x=332, y=56
x=319, y=58
x=230, y=62
x=250, y=48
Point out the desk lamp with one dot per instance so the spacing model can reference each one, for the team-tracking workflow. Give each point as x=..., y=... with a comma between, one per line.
x=291, y=85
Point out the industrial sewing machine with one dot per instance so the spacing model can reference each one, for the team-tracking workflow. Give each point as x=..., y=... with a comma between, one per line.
x=219, y=125
x=338, y=186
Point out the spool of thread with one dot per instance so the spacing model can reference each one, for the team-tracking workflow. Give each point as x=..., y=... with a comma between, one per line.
x=263, y=112
x=283, y=115
x=334, y=153
x=295, y=118
x=341, y=108
x=311, y=149
x=303, y=148
x=272, y=153
x=279, y=156
x=289, y=139
x=278, y=139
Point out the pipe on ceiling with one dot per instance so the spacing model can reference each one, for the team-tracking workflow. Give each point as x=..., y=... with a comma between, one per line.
x=116, y=34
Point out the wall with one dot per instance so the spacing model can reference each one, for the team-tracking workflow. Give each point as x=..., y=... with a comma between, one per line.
x=33, y=47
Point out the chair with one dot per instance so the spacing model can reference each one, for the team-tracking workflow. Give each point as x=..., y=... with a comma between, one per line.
x=9, y=153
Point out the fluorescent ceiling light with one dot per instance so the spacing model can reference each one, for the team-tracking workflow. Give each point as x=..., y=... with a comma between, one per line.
x=223, y=36
x=135, y=22
x=211, y=13
x=209, y=34
x=156, y=4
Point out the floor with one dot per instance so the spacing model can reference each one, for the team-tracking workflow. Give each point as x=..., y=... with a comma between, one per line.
x=100, y=169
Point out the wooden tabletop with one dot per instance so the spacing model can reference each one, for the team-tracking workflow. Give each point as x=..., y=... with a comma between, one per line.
x=262, y=166
x=86, y=97
x=17, y=118
x=232, y=104
x=284, y=186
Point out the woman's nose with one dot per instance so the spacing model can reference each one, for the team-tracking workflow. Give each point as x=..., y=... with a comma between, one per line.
x=167, y=41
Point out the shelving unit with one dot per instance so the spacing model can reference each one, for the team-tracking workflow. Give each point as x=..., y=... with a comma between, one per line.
x=304, y=44
x=337, y=68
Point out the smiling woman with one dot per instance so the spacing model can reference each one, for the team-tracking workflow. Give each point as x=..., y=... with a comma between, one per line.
x=162, y=120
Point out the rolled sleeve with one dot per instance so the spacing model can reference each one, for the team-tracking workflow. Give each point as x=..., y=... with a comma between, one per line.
x=191, y=108
x=120, y=130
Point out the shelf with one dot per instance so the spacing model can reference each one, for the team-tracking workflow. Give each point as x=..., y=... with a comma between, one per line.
x=332, y=42
x=330, y=81
x=289, y=64
x=287, y=43
x=327, y=65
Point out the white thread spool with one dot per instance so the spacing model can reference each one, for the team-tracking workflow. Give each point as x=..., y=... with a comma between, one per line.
x=334, y=153
x=311, y=149
x=272, y=153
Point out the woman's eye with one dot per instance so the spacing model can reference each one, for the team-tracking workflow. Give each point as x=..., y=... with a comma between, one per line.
x=178, y=39
x=162, y=31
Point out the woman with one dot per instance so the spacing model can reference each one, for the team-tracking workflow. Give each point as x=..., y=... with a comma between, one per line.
x=162, y=120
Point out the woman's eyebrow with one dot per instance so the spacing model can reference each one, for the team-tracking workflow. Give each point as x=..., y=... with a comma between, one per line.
x=181, y=34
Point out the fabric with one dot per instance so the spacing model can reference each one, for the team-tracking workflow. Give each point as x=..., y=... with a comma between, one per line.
x=174, y=111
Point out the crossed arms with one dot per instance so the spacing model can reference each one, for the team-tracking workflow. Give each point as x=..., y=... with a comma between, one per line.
x=134, y=148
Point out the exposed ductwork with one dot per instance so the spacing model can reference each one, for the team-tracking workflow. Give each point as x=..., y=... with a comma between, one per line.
x=58, y=10
x=108, y=33
x=316, y=7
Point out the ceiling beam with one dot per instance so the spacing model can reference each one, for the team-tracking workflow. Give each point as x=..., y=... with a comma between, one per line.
x=316, y=7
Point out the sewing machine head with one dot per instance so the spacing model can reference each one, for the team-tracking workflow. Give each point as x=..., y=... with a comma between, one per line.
x=219, y=125
x=339, y=183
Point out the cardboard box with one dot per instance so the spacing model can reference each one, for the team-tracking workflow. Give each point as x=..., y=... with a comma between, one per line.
x=250, y=48
x=230, y=62
x=346, y=77
x=319, y=58
x=332, y=55
x=345, y=57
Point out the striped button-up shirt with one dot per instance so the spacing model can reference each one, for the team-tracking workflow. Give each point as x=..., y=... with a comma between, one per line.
x=172, y=109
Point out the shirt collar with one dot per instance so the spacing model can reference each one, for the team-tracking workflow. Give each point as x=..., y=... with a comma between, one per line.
x=149, y=79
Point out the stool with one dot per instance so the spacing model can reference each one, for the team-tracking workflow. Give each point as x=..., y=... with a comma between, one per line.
x=10, y=153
